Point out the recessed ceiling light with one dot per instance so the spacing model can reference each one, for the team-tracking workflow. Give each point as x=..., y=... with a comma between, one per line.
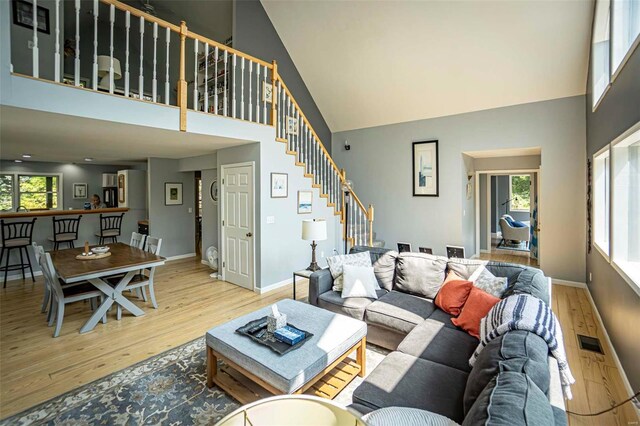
x=88, y=159
x=18, y=161
x=26, y=155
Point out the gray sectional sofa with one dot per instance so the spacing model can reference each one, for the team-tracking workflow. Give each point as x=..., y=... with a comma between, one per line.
x=514, y=380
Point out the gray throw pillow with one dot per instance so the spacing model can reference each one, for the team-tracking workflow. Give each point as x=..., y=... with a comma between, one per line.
x=336, y=265
x=486, y=281
x=419, y=273
x=385, y=269
x=517, y=351
x=510, y=399
x=405, y=416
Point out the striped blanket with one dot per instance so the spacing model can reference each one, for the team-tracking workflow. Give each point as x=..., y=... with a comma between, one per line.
x=526, y=312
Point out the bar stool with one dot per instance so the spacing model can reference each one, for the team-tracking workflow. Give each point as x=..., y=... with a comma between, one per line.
x=16, y=235
x=65, y=230
x=110, y=227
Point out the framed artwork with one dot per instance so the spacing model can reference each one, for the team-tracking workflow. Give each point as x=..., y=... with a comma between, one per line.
x=305, y=202
x=213, y=190
x=279, y=185
x=425, y=169
x=425, y=250
x=455, y=252
x=267, y=92
x=80, y=191
x=292, y=126
x=23, y=16
x=173, y=193
x=404, y=247
x=121, y=189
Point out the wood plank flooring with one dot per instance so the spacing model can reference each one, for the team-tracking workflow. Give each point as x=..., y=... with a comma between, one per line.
x=35, y=367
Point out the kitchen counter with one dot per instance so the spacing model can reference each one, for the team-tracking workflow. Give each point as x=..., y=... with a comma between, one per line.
x=40, y=213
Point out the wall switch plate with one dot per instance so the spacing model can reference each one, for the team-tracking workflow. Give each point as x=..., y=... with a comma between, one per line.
x=590, y=277
x=30, y=44
x=190, y=210
x=271, y=219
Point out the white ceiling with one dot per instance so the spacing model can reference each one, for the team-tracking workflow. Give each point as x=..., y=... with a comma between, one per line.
x=47, y=137
x=369, y=63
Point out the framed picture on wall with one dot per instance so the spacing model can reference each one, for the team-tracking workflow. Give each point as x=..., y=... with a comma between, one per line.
x=279, y=185
x=305, y=202
x=213, y=190
x=23, y=16
x=292, y=126
x=173, y=193
x=80, y=191
x=425, y=169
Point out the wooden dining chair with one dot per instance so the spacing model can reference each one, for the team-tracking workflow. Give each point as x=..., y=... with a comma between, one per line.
x=110, y=226
x=65, y=230
x=62, y=296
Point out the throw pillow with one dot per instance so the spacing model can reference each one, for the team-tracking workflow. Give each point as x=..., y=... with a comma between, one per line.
x=336, y=263
x=405, y=416
x=478, y=305
x=453, y=294
x=486, y=281
x=420, y=274
x=518, y=224
x=359, y=281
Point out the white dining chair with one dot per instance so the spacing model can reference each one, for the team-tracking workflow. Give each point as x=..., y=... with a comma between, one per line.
x=137, y=240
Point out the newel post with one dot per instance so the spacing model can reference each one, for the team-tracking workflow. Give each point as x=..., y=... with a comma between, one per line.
x=370, y=214
x=274, y=93
x=182, y=83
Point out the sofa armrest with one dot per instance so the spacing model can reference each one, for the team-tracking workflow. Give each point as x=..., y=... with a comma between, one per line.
x=320, y=282
x=556, y=397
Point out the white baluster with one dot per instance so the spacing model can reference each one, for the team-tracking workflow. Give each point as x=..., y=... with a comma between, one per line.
x=250, y=94
x=154, y=80
x=289, y=135
x=233, y=86
x=196, y=82
x=112, y=19
x=215, y=80
x=258, y=93
x=206, y=77
x=127, y=25
x=264, y=102
x=34, y=53
x=96, y=5
x=242, y=88
x=56, y=56
x=76, y=64
x=166, y=75
x=141, y=75
x=224, y=112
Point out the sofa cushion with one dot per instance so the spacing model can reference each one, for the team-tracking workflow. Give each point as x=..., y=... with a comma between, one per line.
x=404, y=416
x=403, y=380
x=385, y=269
x=477, y=307
x=530, y=281
x=511, y=399
x=464, y=267
x=486, y=281
x=444, y=318
x=359, y=281
x=509, y=270
x=353, y=306
x=336, y=265
x=419, y=273
x=517, y=351
x=433, y=341
x=399, y=311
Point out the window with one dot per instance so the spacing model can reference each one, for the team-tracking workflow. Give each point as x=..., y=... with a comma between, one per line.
x=601, y=200
x=626, y=205
x=38, y=192
x=520, y=192
x=600, y=71
x=626, y=27
x=6, y=192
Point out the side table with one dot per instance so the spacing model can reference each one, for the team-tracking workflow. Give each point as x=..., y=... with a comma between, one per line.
x=304, y=273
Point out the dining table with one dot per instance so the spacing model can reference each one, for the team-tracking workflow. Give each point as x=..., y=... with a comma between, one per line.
x=124, y=260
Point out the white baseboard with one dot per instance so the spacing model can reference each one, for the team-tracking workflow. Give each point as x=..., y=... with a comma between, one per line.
x=496, y=235
x=569, y=283
x=485, y=251
x=274, y=286
x=18, y=276
x=616, y=360
x=180, y=256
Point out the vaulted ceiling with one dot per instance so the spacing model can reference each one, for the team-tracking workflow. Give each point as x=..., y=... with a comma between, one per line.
x=369, y=63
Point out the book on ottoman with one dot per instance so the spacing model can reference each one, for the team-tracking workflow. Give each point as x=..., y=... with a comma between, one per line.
x=289, y=335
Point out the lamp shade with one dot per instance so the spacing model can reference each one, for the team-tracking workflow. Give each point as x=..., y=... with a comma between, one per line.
x=314, y=230
x=104, y=63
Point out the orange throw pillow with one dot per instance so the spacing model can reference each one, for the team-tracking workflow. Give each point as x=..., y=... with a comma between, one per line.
x=478, y=305
x=453, y=294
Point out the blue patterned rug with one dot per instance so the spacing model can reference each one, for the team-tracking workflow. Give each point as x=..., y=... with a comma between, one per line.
x=169, y=388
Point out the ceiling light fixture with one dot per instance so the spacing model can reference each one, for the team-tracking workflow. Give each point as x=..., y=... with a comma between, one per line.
x=26, y=155
x=17, y=161
x=88, y=159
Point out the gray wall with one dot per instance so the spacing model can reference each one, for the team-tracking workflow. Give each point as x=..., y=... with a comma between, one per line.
x=253, y=33
x=174, y=224
x=380, y=164
x=209, y=212
x=483, y=212
x=617, y=303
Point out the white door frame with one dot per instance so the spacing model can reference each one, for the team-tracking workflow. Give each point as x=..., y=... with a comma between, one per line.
x=490, y=173
x=223, y=247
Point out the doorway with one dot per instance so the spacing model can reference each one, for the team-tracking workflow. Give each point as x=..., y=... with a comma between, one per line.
x=507, y=215
x=237, y=208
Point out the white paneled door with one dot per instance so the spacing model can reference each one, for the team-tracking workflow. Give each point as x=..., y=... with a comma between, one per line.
x=237, y=225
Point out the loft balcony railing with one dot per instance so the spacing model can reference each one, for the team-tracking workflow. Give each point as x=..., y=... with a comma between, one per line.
x=224, y=82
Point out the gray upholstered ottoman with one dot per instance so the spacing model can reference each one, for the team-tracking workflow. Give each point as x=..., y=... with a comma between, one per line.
x=321, y=357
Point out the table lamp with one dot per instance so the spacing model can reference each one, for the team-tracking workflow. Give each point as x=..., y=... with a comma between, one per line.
x=314, y=230
x=104, y=66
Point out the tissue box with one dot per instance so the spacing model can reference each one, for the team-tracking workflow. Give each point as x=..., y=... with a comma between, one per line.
x=276, y=322
x=289, y=335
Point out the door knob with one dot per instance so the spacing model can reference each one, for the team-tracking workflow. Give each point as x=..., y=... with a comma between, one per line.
x=249, y=234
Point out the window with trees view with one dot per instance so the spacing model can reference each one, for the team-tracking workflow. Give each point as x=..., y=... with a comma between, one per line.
x=38, y=192
x=520, y=192
x=6, y=192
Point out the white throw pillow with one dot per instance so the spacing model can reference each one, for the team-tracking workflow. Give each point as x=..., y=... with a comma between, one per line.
x=486, y=281
x=359, y=281
x=337, y=262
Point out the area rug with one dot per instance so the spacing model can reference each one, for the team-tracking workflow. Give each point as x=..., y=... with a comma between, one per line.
x=169, y=388
x=513, y=245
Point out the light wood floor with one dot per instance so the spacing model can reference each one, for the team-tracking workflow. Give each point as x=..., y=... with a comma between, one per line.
x=34, y=367
x=510, y=256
